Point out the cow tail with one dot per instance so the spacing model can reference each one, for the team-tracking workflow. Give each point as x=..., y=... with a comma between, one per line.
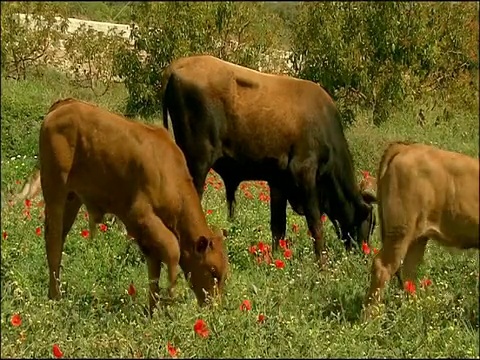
x=165, y=80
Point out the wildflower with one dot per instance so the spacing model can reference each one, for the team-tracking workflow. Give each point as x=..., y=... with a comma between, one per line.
x=209, y=212
x=5, y=235
x=38, y=231
x=365, y=174
x=426, y=283
x=103, y=227
x=85, y=233
x=279, y=264
x=410, y=287
x=131, y=290
x=171, y=350
x=262, y=247
x=288, y=254
x=16, y=320
x=283, y=244
x=246, y=306
x=295, y=228
x=28, y=203
x=200, y=327
x=27, y=214
x=365, y=248
x=323, y=218
x=85, y=215
x=252, y=249
x=375, y=251
x=57, y=352
x=261, y=318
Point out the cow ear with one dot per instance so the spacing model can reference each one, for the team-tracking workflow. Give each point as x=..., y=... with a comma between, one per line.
x=201, y=245
x=369, y=197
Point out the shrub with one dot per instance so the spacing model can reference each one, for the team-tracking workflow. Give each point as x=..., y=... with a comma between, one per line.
x=234, y=31
x=27, y=39
x=90, y=57
x=374, y=55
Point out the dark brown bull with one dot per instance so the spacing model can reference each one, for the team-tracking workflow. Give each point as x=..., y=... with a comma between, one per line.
x=253, y=126
x=136, y=172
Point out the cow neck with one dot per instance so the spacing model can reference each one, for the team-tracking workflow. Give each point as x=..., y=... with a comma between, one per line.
x=192, y=224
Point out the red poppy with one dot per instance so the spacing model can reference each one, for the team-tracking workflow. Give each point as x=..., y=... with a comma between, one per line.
x=5, y=235
x=410, y=287
x=279, y=264
x=288, y=254
x=209, y=212
x=16, y=320
x=103, y=227
x=259, y=260
x=426, y=282
x=171, y=350
x=248, y=194
x=365, y=174
x=295, y=228
x=323, y=218
x=85, y=233
x=85, y=215
x=28, y=203
x=200, y=327
x=246, y=306
x=261, y=247
x=38, y=231
x=131, y=290
x=365, y=248
x=57, y=352
x=375, y=251
x=252, y=249
x=261, y=318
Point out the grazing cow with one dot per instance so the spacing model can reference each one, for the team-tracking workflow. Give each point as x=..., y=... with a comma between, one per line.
x=253, y=126
x=136, y=172
x=423, y=192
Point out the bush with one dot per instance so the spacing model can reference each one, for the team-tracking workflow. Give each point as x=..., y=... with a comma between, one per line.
x=233, y=31
x=90, y=55
x=28, y=40
x=374, y=55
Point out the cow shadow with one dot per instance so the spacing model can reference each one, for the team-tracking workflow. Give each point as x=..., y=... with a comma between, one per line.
x=347, y=308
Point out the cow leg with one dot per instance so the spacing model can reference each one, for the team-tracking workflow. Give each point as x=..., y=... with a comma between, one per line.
x=412, y=259
x=160, y=245
x=72, y=206
x=230, y=189
x=54, y=244
x=278, y=215
x=385, y=264
x=154, y=267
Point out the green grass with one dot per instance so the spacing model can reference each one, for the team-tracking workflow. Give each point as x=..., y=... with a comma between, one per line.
x=309, y=313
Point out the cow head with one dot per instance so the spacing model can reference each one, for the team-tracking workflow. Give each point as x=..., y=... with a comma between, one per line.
x=367, y=219
x=207, y=266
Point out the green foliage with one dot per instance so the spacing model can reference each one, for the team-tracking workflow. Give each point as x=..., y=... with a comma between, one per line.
x=91, y=55
x=28, y=40
x=120, y=12
x=25, y=103
x=376, y=54
x=234, y=31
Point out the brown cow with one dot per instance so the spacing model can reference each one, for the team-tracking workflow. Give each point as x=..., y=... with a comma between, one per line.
x=136, y=172
x=423, y=192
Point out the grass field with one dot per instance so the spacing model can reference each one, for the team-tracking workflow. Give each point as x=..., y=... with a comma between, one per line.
x=306, y=312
